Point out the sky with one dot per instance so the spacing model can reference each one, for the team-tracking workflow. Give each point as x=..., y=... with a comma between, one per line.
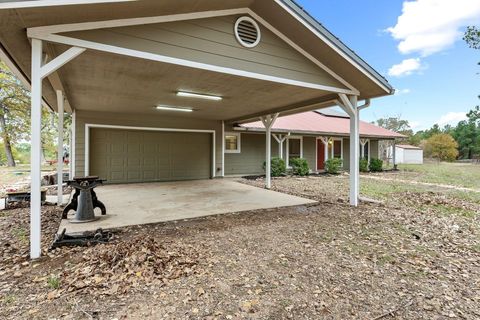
x=417, y=45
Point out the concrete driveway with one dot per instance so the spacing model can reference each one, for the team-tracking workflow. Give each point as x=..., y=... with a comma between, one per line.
x=144, y=203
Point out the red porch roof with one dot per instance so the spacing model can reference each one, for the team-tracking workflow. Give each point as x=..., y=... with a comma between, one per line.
x=318, y=123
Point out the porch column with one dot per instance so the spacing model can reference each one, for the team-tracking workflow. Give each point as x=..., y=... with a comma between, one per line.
x=36, y=150
x=349, y=104
x=268, y=122
x=325, y=147
x=280, y=139
x=363, y=142
x=73, y=145
x=60, y=102
x=39, y=72
x=223, y=149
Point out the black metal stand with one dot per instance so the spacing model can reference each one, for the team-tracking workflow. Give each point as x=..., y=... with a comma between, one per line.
x=73, y=205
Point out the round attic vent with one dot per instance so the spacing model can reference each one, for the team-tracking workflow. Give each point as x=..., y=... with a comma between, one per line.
x=247, y=32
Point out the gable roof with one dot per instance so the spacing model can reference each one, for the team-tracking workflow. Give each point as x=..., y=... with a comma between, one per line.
x=286, y=16
x=307, y=17
x=315, y=122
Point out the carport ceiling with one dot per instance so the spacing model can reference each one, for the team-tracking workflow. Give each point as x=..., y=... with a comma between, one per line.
x=107, y=82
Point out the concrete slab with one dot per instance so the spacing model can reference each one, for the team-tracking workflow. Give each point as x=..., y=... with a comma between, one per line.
x=144, y=203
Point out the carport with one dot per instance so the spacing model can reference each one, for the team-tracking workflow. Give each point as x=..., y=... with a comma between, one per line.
x=131, y=68
x=144, y=203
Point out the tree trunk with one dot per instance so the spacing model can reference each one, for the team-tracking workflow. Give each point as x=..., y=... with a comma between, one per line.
x=6, y=141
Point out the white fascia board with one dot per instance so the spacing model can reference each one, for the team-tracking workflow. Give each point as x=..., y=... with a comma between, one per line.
x=51, y=3
x=303, y=52
x=187, y=63
x=331, y=45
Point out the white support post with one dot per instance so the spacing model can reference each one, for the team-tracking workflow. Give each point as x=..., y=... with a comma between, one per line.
x=60, y=104
x=363, y=142
x=40, y=71
x=281, y=139
x=325, y=146
x=36, y=150
x=71, y=157
x=223, y=149
x=268, y=122
x=350, y=105
x=355, y=153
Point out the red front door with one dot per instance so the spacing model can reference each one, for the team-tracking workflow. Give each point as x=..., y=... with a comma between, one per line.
x=320, y=155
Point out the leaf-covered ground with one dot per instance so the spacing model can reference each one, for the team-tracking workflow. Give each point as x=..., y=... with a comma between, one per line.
x=417, y=256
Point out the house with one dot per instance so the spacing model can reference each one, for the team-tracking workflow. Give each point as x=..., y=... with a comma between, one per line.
x=408, y=154
x=153, y=85
x=315, y=135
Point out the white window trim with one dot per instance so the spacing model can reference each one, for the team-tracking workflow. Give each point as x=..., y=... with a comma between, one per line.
x=88, y=126
x=239, y=142
x=287, y=157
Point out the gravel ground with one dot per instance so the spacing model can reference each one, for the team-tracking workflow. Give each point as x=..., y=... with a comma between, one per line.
x=399, y=260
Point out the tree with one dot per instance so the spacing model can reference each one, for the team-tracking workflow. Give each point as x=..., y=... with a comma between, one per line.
x=396, y=124
x=441, y=146
x=14, y=112
x=472, y=37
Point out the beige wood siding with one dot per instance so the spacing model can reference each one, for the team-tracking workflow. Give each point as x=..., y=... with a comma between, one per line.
x=310, y=151
x=138, y=120
x=373, y=149
x=252, y=156
x=212, y=41
x=125, y=156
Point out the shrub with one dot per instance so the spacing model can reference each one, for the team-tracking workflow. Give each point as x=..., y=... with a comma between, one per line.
x=333, y=166
x=441, y=146
x=363, y=165
x=299, y=167
x=278, y=167
x=376, y=165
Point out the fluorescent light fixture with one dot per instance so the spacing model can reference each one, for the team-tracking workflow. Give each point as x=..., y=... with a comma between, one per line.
x=172, y=108
x=198, y=95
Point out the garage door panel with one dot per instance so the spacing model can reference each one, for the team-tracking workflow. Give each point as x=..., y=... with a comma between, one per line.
x=136, y=156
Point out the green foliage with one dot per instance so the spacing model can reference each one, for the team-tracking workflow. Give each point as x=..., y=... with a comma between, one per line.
x=363, y=165
x=396, y=124
x=442, y=147
x=333, y=166
x=376, y=165
x=299, y=166
x=53, y=282
x=278, y=167
x=472, y=37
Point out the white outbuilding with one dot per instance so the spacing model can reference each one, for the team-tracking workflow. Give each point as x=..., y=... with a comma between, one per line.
x=408, y=154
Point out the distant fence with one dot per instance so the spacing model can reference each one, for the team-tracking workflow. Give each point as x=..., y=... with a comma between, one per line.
x=472, y=161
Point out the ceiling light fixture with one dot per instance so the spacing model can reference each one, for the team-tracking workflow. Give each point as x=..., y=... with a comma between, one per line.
x=198, y=95
x=172, y=108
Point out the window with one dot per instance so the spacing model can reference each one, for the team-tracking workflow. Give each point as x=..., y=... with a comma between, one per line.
x=337, y=149
x=294, y=148
x=232, y=142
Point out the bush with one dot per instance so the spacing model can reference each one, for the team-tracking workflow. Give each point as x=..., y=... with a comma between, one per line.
x=299, y=167
x=363, y=165
x=333, y=166
x=278, y=167
x=442, y=147
x=376, y=165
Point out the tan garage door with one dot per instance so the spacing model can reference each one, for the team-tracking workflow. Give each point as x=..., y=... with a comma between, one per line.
x=123, y=156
